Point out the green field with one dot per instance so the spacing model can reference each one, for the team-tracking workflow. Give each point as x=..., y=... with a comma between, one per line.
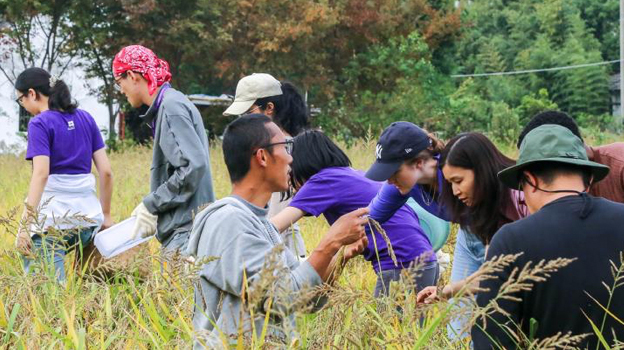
x=155, y=313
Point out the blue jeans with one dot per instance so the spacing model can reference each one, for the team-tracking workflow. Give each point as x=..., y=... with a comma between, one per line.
x=468, y=258
x=51, y=251
x=426, y=276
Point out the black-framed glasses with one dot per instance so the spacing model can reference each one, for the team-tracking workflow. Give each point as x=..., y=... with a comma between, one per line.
x=118, y=79
x=19, y=99
x=288, y=144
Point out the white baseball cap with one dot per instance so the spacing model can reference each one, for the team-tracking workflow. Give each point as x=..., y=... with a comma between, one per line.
x=251, y=88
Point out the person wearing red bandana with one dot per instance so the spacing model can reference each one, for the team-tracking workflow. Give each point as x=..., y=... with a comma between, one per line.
x=180, y=177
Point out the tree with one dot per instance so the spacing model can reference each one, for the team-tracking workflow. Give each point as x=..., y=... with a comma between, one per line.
x=98, y=30
x=36, y=37
x=530, y=34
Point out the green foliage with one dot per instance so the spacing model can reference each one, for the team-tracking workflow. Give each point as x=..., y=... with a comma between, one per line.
x=534, y=104
x=468, y=110
x=505, y=124
x=530, y=34
x=389, y=82
x=597, y=122
x=363, y=63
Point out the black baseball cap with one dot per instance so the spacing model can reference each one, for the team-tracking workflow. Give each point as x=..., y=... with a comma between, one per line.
x=398, y=142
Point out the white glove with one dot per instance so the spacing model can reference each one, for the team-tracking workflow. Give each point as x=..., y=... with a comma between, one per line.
x=145, y=224
x=444, y=260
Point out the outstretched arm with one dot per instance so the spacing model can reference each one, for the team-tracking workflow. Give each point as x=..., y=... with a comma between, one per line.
x=286, y=218
x=387, y=201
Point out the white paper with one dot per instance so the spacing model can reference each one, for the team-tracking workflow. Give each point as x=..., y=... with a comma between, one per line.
x=118, y=239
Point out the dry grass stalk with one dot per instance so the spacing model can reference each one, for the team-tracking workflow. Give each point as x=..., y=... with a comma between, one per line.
x=377, y=226
x=519, y=280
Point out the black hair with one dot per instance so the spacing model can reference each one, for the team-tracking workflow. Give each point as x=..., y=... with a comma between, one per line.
x=491, y=198
x=547, y=172
x=312, y=152
x=241, y=138
x=550, y=117
x=291, y=112
x=38, y=79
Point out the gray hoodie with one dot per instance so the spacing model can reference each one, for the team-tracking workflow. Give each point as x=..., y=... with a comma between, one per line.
x=240, y=235
x=180, y=178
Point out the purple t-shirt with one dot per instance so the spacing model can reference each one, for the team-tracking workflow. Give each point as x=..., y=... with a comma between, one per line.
x=336, y=191
x=69, y=139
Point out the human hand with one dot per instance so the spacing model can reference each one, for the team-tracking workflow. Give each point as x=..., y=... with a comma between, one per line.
x=24, y=242
x=355, y=249
x=108, y=222
x=145, y=224
x=427, y=295
x=349, y=228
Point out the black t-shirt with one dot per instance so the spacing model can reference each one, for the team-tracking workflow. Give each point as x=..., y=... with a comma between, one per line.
x=583, y=227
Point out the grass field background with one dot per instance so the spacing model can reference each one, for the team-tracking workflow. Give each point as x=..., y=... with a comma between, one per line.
x=37, y=313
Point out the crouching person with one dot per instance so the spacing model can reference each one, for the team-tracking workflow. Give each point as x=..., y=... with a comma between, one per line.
x=254, y=283
x=555, y=175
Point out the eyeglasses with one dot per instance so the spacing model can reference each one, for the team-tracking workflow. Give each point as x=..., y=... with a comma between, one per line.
x=288, y=144
x=19, y=99
x=118, y=80
x=251, y=111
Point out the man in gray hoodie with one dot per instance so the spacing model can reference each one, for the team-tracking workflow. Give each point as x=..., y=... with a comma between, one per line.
x=254, y=283
x=180, y=178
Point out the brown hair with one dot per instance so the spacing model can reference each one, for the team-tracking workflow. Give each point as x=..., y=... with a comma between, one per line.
x=436, y=148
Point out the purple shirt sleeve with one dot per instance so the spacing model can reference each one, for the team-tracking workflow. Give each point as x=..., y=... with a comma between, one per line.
x=315, y=196
x=388, y=200
x=38, y=140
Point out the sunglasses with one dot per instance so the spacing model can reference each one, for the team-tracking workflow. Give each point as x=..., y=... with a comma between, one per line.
x=288, y=144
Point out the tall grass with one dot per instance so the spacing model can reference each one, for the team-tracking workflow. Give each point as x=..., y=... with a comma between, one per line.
x=154, y=310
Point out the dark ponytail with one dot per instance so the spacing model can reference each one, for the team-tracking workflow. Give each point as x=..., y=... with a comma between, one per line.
x=291, y=111
x=38, y=79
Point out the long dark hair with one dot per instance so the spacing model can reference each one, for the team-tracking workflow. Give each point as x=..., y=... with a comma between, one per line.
x=312, y=152
x=491, y=198
x=291, y=112
x=38, y=79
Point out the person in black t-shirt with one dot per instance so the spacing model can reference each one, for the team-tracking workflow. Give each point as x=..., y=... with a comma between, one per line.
x=565, y=222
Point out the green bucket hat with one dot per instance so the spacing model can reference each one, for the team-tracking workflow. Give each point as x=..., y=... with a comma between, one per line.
x=551, y=143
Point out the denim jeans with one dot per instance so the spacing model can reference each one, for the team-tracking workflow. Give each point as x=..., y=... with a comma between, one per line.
x=51, y=251
x=468, y=258
x=426, y=276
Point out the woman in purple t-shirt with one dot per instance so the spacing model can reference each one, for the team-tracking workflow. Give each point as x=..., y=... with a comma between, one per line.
x=62, y=209
x=326, y=184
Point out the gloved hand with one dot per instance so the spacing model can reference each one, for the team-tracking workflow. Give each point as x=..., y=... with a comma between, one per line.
x=145, y=224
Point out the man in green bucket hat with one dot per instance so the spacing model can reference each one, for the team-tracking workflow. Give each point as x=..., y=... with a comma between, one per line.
x=565, y=222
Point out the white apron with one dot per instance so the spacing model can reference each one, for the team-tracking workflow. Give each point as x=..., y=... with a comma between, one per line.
x=69, y=201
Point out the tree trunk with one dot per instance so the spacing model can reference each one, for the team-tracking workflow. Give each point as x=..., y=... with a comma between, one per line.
x=111, y=119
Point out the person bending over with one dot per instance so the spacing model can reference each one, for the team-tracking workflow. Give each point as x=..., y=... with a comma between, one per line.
x=249, y=249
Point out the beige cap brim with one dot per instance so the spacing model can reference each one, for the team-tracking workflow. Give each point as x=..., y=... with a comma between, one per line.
x=238, y=107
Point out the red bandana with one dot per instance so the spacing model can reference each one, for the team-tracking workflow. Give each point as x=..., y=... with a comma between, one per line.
x=142, y=60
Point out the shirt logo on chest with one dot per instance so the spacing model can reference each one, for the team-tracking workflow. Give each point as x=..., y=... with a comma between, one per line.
x=70, y=125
